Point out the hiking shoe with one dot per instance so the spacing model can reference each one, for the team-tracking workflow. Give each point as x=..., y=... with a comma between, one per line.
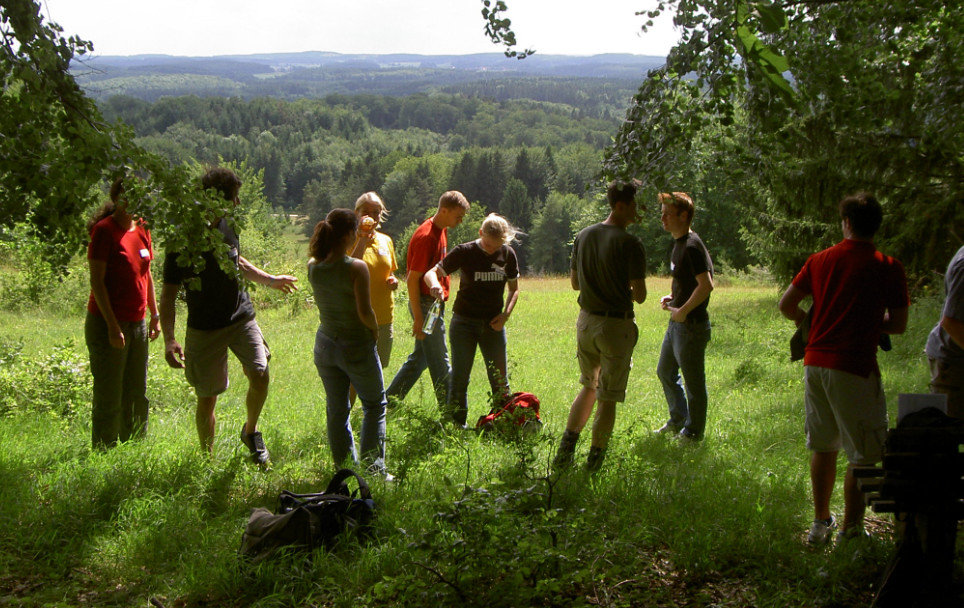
x=566, y=451
x=595, y=459
x=667, y=429
x=255, y=444
x=820, y=531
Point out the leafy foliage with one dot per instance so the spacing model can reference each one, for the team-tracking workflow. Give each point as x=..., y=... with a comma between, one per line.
x=867, y=108
x=499, y=28
x=56, y=148
x=53, y=148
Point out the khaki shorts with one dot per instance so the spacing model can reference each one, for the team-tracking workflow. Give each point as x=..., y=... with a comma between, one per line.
x=846, y=411
x=604, y=348
x=947, y=377
x=206, y=355
x=386, y=335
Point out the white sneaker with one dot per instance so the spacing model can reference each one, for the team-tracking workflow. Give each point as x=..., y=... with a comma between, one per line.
x=820, y=531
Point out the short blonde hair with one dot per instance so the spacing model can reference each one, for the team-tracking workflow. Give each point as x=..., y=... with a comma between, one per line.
x=496, y=226
x=373, y=198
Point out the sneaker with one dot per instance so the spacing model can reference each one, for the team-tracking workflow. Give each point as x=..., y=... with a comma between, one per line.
x=687, y=438
x=851, y=534
x=667, y=429
x=380, y=472
x=821, y=531
x=255, y=444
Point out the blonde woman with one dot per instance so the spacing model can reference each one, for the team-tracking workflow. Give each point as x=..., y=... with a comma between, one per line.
x=488, y=264
x=378, y=252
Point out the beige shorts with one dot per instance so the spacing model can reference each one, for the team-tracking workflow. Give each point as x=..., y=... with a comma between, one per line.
x=604, y=348
x=206, y=355
x=846, y=411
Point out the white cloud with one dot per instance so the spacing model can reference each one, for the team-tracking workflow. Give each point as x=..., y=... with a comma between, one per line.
x=219, y=27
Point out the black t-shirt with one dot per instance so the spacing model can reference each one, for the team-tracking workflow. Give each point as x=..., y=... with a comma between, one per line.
x=688, y=260
x=220, y=301
x=605, y=259
x=483, y=278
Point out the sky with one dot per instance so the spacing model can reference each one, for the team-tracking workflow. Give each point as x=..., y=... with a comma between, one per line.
x=429, y=27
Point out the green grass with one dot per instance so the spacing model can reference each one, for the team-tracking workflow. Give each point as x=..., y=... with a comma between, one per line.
x=471, y=520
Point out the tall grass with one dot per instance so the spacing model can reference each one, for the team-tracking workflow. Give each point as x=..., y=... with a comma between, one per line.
x=473, y=520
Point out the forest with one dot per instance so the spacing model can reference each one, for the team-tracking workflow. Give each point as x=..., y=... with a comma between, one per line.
x=535, y=162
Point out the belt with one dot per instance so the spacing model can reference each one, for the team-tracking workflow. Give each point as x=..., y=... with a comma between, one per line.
x=612, y=314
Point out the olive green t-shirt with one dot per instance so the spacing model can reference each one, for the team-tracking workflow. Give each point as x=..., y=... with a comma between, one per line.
x=606, y=258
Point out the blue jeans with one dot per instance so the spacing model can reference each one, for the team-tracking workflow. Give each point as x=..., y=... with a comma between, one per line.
x=430, y=353
x=119, y=406
x=343, y=363
x=684, y=349
x=465, y=334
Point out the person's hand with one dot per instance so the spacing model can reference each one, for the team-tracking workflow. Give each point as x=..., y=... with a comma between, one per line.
x=418, y=333
x=173, y=354
x=676, y=314
x=284, y=283
x=154, y=328
x=437, y=292
x=392, y=282
x=498, y=321
x=116, y=336
x=664, y=302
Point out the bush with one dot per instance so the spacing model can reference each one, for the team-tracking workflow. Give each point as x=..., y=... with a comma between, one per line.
x=30, y=279
x=58, y=382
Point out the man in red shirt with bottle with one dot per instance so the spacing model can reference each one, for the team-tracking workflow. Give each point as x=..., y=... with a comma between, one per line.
x=426, y=249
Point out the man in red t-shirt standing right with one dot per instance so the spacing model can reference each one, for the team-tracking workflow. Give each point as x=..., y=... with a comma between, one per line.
x=858, y=293
x=426, y=249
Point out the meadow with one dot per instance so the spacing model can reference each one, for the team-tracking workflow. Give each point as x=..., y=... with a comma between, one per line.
x=471, y=520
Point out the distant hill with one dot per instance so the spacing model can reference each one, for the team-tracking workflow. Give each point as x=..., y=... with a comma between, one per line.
x=316, y=74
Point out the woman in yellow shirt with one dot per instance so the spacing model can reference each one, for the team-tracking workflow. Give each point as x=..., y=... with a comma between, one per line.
x=378, y=252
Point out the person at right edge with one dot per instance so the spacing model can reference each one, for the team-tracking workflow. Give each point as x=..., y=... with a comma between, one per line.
x=945, y=344
x=608, y=269
x=858, y=293
x=688, y=332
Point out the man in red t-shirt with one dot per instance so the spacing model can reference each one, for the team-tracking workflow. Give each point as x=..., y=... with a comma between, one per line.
x=425, y=250
x=858, y=293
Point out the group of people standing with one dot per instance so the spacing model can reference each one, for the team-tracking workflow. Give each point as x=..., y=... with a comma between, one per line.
x=351, y=272
x=857, y=293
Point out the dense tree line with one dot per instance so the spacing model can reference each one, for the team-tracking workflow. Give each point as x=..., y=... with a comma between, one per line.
x=535, y=163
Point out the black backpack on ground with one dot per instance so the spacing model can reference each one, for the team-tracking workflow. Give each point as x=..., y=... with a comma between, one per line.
x=308, y=521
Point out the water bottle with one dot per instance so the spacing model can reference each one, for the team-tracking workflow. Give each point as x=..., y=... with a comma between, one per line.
x=432, y=317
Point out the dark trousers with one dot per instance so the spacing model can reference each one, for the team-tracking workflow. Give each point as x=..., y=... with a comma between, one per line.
x=119, y=406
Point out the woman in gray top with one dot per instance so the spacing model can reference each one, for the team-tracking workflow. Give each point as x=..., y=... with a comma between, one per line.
x=345, y=352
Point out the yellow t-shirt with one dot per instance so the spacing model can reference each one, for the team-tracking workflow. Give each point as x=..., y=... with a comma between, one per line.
x=380, y=258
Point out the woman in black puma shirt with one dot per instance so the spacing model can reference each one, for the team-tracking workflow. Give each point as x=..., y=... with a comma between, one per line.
x=487, y=265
